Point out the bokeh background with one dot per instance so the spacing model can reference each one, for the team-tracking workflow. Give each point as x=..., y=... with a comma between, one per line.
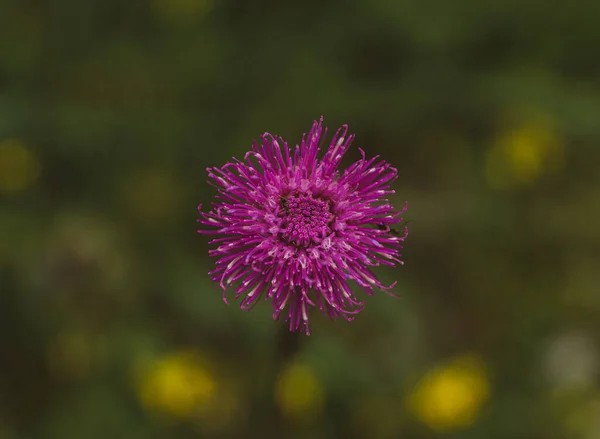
x=110, y=112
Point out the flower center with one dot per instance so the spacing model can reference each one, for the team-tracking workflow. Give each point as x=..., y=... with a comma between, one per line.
x=305, y=219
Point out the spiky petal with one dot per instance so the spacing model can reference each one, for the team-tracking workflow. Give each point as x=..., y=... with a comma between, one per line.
x=294, y=229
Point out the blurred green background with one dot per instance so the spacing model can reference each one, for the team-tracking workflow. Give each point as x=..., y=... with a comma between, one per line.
x=110, y=112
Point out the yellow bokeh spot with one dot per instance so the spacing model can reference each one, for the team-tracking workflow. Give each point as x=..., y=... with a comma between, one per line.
x=19, y=167
x=179, y=385
x=450, y=397
x=298, y=392
x=521, y=156
x=181, y=12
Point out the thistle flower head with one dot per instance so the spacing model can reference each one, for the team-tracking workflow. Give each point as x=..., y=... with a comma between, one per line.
x=293, y=228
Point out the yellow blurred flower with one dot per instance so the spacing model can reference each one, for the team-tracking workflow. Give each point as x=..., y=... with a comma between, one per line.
x=181, y=12
x=19, y=167
x=179, y=384
x=450, y=396
x=298, y=392
x=521, y=156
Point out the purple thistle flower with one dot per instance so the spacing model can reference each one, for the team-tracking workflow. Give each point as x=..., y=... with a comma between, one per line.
x=295, y=229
